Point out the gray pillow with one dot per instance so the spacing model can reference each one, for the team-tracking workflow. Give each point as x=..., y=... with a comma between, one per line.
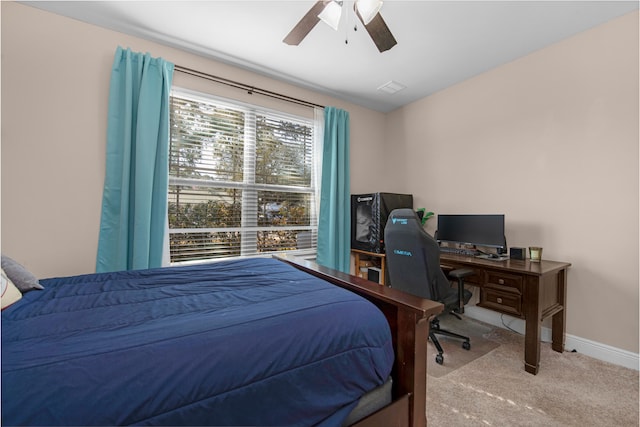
x=24, y=280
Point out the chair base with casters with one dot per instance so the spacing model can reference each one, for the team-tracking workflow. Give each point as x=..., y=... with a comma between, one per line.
x=463, y=298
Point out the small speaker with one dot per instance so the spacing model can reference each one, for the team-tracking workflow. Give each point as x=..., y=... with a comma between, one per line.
x=517, y=253
x=373, y=274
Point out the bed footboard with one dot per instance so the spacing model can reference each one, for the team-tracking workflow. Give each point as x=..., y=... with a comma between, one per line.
x=408, y=318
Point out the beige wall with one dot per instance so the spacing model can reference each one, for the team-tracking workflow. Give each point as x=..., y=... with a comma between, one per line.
x=551, y=141
x=55, y=85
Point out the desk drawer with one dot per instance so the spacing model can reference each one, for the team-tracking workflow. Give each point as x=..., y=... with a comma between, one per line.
x=511, y=281
x=502, y=292
x=503, y=301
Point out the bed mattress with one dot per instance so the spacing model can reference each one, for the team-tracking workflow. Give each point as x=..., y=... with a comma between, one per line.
x=242, y=342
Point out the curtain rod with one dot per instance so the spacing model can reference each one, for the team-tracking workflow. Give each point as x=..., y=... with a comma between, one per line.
x=250, y=89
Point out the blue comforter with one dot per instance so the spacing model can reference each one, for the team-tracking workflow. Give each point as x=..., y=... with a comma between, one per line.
x=243, y=342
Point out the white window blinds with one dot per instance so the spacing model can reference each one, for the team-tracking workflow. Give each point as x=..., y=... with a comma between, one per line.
x=241, y=180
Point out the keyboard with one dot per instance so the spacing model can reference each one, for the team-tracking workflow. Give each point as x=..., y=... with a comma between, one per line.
x=458, y=251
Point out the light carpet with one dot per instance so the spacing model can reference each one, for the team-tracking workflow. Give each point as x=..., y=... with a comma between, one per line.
x=454, y=355
x=492, y=389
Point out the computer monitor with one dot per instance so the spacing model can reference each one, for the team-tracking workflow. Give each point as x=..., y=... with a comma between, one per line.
x=472, y=229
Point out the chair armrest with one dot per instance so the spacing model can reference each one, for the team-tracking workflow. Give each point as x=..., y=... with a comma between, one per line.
x=461, y=273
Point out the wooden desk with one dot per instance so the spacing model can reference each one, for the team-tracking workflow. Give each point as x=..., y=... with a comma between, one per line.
x=380, y=259
x=529, y=290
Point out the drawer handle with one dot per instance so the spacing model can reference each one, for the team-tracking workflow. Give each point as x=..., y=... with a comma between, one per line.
x=501, y=281
x=499, y=300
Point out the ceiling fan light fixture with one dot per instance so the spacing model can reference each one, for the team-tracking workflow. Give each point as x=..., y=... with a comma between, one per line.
x=330, y=15
x=368, y=9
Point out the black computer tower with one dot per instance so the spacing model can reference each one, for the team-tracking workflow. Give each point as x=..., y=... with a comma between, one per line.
x=369, y=213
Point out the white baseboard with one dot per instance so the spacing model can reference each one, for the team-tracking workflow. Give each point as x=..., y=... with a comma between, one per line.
x=590, y=348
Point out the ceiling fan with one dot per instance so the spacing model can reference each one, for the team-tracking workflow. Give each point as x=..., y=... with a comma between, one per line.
x=329, y=11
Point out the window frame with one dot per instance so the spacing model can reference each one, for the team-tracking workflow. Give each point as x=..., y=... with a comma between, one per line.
x=249, y=228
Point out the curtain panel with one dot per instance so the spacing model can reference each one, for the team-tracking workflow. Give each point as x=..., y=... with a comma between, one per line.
x=134, y=204
x=334, y=223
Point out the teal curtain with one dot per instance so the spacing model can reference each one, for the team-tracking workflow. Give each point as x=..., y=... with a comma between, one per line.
x=134, y=200
x=334, y=223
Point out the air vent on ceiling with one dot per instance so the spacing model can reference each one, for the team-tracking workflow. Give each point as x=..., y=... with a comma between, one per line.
x=391, y=87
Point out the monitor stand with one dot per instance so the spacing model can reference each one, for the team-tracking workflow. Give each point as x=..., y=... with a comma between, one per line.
x=493, y=257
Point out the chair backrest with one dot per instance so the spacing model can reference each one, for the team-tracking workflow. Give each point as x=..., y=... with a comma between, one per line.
x=413, y=257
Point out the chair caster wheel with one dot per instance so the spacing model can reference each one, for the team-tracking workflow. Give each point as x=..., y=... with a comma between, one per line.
x=466, y=345
x=439, y=359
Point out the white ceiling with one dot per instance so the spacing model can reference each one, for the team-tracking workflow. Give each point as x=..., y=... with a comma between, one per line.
x=440, y=43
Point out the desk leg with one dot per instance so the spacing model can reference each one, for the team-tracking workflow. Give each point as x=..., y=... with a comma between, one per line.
x=356, y=260
x=533, y=325
x=558, y=319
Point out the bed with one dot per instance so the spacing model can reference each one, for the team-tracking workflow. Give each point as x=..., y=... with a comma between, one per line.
x=241, y=342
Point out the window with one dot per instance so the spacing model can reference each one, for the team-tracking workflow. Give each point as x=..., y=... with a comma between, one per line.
x=242, y=180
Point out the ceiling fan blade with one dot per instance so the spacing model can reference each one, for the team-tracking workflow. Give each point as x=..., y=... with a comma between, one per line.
x=306, y=24
x=379, y=32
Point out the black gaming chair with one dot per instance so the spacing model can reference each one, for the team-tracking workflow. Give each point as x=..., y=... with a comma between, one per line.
x=413, y=262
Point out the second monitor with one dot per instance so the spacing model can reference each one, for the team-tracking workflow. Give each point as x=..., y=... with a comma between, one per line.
x=473, y=229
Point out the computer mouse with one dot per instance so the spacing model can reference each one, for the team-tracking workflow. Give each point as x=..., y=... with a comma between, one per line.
x=493, y=256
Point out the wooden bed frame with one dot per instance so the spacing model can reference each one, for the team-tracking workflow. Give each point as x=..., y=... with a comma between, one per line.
x=409, y=317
